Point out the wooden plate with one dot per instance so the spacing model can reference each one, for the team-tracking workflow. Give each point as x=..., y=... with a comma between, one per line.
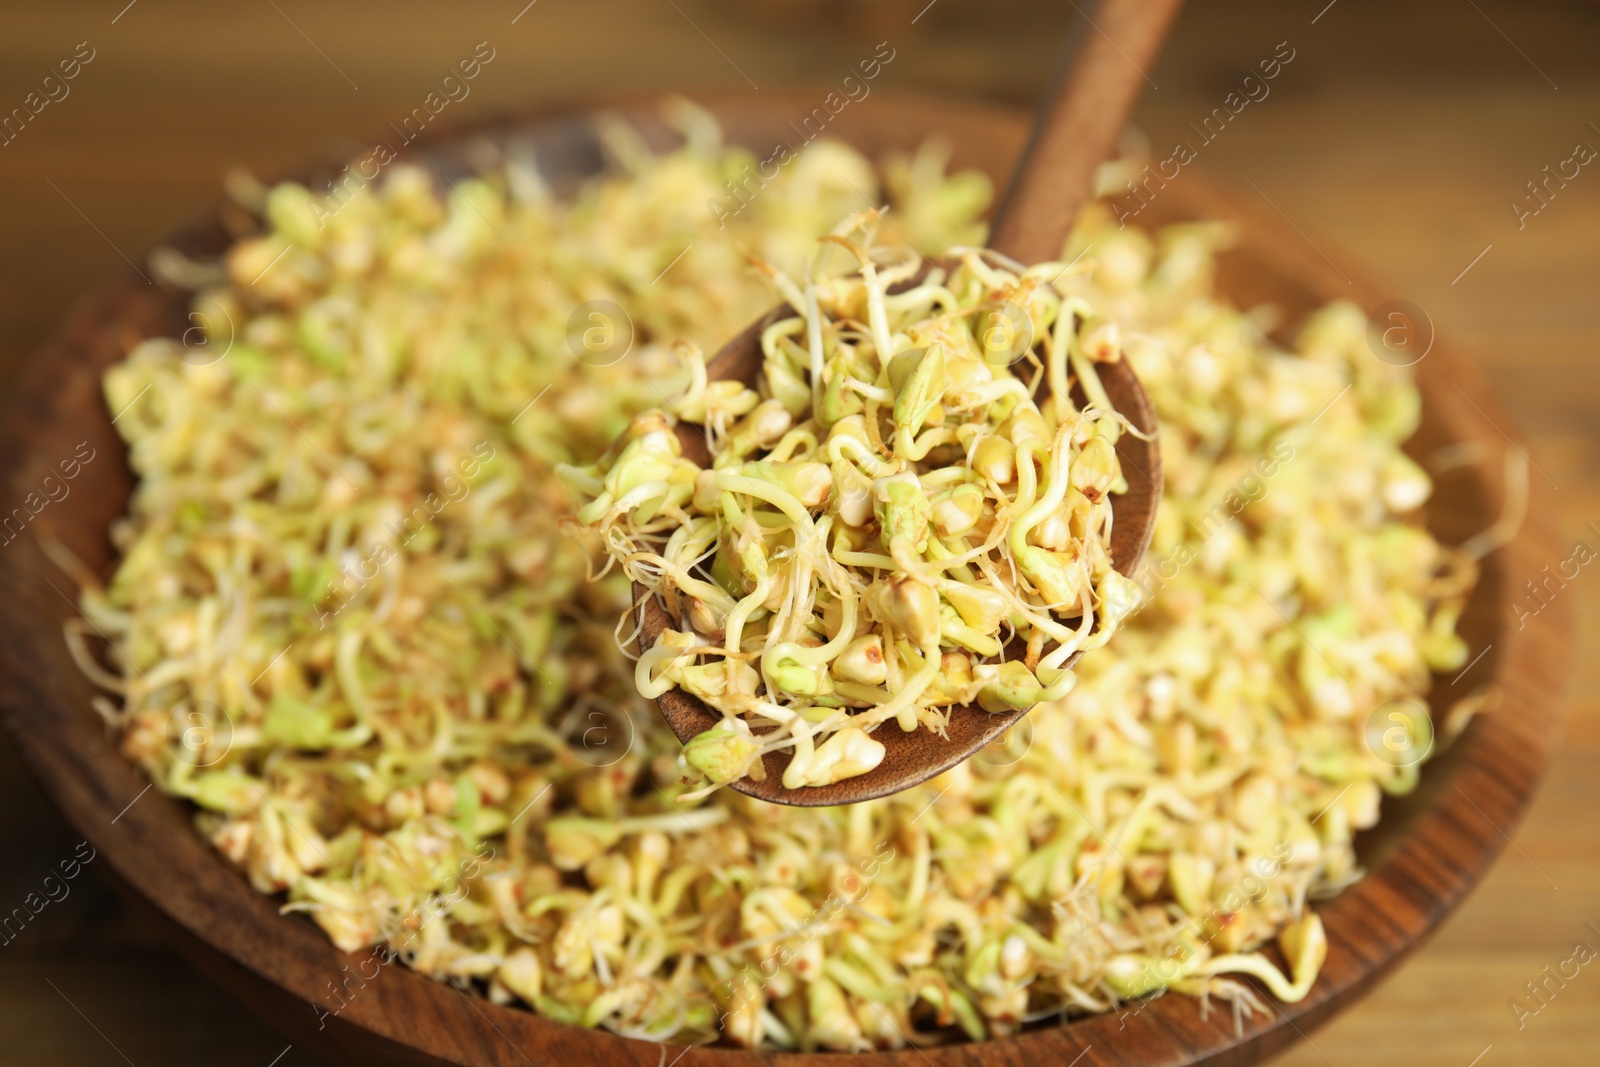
x=1430, y=849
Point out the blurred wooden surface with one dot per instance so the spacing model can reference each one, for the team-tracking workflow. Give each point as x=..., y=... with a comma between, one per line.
x=1394, y=140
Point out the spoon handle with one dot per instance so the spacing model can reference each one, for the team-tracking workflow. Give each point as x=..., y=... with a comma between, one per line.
x=1102, y=71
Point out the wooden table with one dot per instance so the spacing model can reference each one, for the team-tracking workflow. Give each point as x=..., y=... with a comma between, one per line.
x=1395, y=139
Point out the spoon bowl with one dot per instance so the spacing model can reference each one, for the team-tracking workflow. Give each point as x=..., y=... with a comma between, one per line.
x=910, y=758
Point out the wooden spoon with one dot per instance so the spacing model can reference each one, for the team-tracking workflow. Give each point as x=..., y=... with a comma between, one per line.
x=1075, y=130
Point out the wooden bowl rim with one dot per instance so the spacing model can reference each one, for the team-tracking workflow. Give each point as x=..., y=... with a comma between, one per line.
x=285, y=967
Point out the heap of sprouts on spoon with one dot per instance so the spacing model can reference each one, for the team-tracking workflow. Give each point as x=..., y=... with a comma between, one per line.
x=910, y=515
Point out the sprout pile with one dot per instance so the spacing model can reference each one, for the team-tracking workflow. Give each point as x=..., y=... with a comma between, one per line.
x=886, y=513
x=352, y=622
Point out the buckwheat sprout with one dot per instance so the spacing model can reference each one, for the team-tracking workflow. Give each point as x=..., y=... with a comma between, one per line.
x=1512, y=513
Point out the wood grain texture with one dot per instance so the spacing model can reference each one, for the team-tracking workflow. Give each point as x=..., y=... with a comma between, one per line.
x=1100, y=74
x=1426, y=855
